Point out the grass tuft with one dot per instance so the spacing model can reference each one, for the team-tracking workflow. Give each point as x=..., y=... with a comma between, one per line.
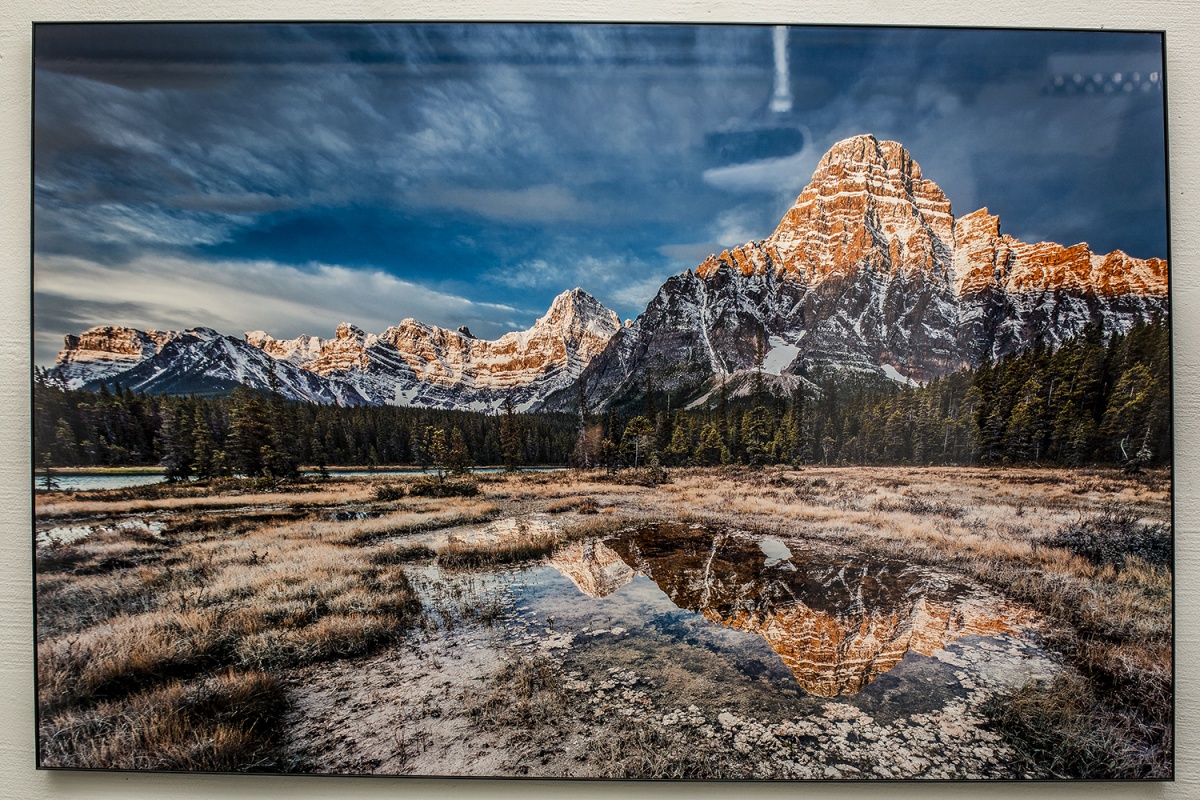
x=226, y=723
x=581, y=505
x=527, y=691
x=472, y=555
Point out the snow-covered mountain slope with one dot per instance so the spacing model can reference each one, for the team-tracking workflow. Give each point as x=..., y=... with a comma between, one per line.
x=418, y=364
x=870, y=273
x=408, y=364
x=203, y=361
x=105, y=351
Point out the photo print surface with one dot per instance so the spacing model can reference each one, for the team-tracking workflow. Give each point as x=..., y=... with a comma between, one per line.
x=602, y=401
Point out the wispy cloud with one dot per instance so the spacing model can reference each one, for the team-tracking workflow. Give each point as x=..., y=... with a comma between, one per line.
x=788, y=174
x=571, y=155
x=624, y=284
x=236, y=296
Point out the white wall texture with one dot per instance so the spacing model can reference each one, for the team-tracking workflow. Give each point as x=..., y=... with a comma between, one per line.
x=18, y=778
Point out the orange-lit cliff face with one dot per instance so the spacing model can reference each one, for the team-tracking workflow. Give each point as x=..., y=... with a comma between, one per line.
x=421, y=364
x=868, y=206
x=837, y=624
x=869, y=273
x=564, y=339
x=986, y=259
x=106, y=350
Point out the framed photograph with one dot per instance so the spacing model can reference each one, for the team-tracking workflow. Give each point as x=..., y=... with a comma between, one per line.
x=636, y=401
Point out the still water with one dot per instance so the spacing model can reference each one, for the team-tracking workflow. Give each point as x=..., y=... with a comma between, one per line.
x=759, y=624
x=82, y=482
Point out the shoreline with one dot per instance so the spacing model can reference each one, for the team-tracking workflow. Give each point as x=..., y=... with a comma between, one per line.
x=65, y=472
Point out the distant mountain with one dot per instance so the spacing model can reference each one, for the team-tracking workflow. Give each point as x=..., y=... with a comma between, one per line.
x=869, y=274
x=409, y=364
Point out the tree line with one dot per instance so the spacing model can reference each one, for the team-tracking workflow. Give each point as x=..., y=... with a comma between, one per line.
x=1091, y=401
x=260, y=433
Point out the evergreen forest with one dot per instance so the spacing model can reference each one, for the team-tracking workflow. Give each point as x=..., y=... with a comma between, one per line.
x=1090, y=401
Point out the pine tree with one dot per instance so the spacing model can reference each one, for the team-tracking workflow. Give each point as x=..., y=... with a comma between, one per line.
x=249, y=433
x=708, y=450
x=1027, y=424
x=175, y=443
x=756, y=435
x=1130, y=418
x=510, y=438
x=436, y=451
x=458, y=457
x=637, y=442
x=679, y=448
x=203, y=446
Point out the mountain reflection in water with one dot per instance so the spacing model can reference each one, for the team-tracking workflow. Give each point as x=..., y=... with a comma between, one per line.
x=837, y=623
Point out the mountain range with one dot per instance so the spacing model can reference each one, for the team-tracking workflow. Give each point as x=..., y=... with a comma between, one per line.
x=868, y=274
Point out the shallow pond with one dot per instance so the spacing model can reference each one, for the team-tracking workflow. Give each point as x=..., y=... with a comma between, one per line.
x=759, y=625
x=82, y=482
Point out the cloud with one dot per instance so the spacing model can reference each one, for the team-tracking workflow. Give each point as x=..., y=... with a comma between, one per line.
x=731, y=228
x=690, y=254
x=200, y=139
x=774, y=175
x=637, y=295
x=234, y=296
x=624, y=283
x=546, y=203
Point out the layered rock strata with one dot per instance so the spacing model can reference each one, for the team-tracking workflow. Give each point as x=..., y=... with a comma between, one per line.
x=408, y=364
x=870, y=273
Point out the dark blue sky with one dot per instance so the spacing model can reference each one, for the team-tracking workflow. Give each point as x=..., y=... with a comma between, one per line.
x=291, y=177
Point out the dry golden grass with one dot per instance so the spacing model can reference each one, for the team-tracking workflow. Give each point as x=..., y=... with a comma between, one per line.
x=119, y=620
x=223, y=723
x=267, y=580
x=1114, y=623
x=56, y=505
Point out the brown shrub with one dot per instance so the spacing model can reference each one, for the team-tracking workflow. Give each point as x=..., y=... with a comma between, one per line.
x=582, y=505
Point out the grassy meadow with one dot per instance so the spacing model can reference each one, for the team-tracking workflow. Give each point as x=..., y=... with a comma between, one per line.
x=178, y=625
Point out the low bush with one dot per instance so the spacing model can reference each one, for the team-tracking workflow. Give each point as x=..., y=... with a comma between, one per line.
x=1066, y=729
x=922, y=506
x=390, y=491
x=1114, y=535
x=432, y=488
